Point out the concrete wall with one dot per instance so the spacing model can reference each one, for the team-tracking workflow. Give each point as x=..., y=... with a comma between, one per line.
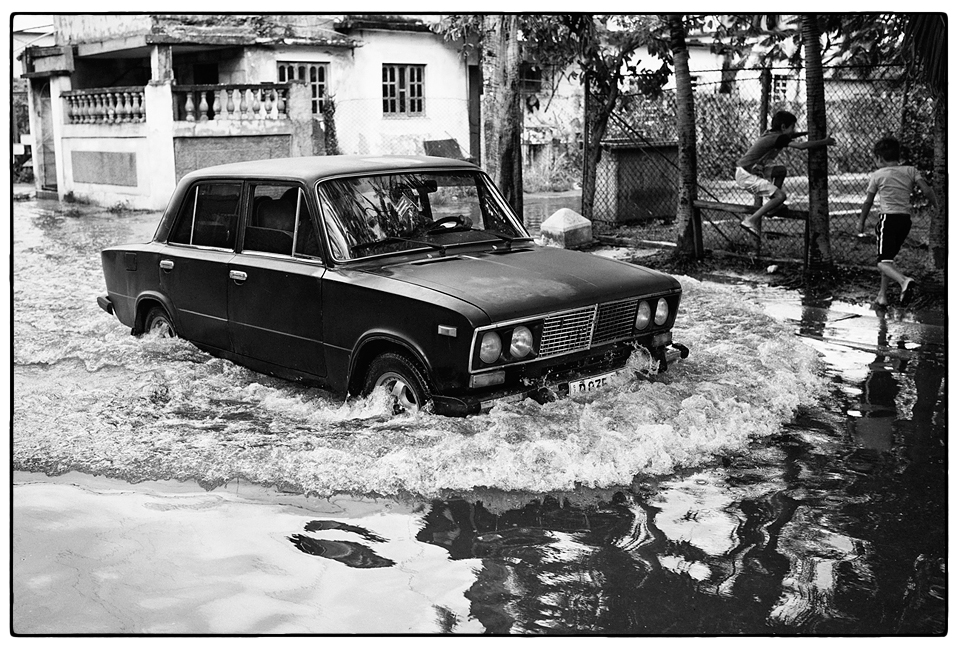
x=198, y=152
x=361, y=126
x=127, y=164
x=355, y=82
x=72, y=28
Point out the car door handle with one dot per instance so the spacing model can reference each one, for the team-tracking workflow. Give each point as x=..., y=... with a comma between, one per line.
x=166, y=265
x=238, y=276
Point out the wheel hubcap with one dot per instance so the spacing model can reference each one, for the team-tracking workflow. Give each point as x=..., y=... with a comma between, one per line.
x=161, y=327
x=404, y=398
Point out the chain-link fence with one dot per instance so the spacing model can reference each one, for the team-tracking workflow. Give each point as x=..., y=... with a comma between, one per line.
x=552, y=142
x=637, y=180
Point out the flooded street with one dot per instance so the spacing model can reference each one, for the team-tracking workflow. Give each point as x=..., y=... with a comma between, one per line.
x=789, y=477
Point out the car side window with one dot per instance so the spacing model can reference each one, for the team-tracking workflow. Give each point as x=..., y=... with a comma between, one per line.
x=279, y=222
x=208, y=216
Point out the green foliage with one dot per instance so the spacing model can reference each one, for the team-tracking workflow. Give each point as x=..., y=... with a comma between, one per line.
x=726, y=125
x=559, y=175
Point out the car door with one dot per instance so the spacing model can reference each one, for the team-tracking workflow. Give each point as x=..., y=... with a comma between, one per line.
x=193, y=267
x=276, y=282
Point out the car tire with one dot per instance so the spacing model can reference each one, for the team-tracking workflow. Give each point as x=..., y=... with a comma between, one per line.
x=402, y=379
x=158, y=321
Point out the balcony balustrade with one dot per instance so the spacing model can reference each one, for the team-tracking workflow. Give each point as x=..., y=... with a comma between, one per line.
x=198, y=103
x=118, y=105
x=204, y=103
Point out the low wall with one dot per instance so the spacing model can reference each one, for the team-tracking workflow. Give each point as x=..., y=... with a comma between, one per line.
x=109, y=165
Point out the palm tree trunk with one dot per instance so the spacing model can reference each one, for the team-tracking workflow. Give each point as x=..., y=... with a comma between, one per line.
x=598, y=110
x=937, y=233
x=819, y=248
x=690, y=239
x=502, y=116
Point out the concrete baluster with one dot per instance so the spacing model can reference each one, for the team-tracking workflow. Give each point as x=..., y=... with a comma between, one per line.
x=204, y=107
x=138, y=113
x=244, y=104
x=110, y=107
x=256, y=104
x=98, y=111
x=190, y=113
x=269, y=104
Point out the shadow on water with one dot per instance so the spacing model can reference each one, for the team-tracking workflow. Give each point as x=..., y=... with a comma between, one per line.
x=833, y=526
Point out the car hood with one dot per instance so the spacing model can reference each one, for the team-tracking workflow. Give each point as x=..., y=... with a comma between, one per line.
x=522, y=282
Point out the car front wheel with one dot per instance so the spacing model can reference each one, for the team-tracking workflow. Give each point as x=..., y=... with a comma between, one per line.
x=159, y=323
x=402, y=380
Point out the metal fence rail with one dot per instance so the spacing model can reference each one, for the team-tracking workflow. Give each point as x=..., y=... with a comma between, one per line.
x=637, y=180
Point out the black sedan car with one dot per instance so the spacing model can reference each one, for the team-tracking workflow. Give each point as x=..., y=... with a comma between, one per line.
x=408, y=273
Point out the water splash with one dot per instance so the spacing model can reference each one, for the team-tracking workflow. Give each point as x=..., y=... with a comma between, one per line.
x=91, y=397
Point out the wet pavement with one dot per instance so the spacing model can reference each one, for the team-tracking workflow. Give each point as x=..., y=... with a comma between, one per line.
x=790, y=479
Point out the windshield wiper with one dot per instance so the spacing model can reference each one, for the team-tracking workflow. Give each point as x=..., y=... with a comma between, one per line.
x=392, y=240
x=508, y=239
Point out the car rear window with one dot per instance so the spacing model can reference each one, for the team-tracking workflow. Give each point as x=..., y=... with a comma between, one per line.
x=209, y=216
x=278, y=219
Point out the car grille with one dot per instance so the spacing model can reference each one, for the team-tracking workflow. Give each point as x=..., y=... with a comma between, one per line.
x=567, y=332
x=615, y=321
x=581, y=329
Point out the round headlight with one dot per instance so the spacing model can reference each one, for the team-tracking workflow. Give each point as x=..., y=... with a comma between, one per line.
x=521, y=342
x=491, y=347
x=661, y=311
x=644, y=315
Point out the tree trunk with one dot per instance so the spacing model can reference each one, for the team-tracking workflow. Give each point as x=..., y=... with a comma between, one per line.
x=590, y=160
x=690, y=239
x=819, y=251
x=937, y=233
x=598, y=109
x=502, y=114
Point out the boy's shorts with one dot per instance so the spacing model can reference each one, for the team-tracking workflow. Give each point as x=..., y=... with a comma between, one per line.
x=891, y=229
x=755, y=184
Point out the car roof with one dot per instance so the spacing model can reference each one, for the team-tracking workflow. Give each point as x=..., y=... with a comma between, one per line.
x=314, y=168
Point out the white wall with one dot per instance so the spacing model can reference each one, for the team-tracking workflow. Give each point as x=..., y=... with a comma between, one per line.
x=361, y=126
x=355, y=82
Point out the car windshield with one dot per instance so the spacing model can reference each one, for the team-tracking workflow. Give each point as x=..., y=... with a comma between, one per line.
x=390, y=213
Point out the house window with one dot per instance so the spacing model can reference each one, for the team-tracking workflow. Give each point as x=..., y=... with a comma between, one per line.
x=779, y=88
x=314, y=74
x=403, y=89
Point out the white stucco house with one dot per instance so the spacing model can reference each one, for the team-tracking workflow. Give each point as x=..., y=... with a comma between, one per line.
x=126, y=104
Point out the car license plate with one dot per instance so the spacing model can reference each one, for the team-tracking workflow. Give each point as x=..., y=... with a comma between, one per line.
x=589, y=383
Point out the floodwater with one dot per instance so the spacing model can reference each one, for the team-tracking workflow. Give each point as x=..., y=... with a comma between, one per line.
x=788, y=478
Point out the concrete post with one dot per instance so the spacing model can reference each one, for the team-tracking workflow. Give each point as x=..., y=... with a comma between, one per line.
x=161, y=63
x=59, y=84
x=300, y=111
x=159, y=135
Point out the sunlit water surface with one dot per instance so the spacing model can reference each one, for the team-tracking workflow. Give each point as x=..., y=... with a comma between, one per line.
x=769, y=483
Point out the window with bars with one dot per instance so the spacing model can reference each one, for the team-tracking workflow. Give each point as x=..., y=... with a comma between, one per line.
x=780, y=88
x=403, y=90
x=314, y=74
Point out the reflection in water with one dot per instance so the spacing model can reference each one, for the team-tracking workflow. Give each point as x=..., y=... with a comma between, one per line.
x=832, y=524
x=347, y=552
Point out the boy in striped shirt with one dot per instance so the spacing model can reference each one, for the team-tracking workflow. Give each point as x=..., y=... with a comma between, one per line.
x=893, y=183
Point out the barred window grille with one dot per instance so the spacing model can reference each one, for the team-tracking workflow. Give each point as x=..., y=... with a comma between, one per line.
x=314, y=74
x=403, y=89
x=780, y=88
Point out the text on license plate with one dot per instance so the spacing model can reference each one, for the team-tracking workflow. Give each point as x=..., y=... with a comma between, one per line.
x=589, y=383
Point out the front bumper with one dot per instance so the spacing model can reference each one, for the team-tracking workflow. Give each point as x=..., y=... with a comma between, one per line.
x=103, y=300
x=555, y=385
